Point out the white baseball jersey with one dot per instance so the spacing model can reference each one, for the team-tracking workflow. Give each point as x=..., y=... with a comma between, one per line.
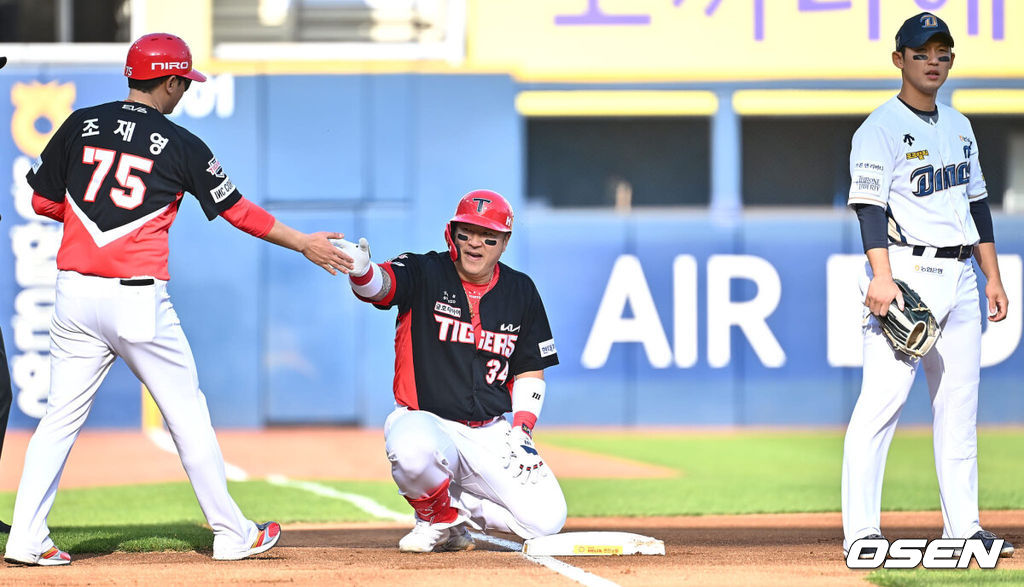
x=925, y=175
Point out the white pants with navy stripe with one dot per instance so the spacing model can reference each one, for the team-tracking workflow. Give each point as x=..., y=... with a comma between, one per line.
x=950, y=290
x=95, y=321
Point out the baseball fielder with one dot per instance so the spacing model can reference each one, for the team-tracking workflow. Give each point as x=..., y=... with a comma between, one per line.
x=125, y=168
x=920, y=197
x=472, y=342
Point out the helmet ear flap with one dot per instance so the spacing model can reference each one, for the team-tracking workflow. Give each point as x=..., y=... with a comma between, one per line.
x=453, y=251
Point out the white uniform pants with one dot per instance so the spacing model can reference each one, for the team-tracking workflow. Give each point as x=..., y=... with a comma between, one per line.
x=95, y=321
x=425, y=449
x=950, y=290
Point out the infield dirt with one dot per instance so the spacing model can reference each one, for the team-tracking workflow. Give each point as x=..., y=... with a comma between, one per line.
x=792, y=549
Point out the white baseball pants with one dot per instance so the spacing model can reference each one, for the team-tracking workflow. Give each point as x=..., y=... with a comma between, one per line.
x=425, y=450
x=95, y=321
x=949, y=288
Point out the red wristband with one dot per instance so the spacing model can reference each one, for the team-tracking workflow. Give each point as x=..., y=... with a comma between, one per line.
x=364, y=278
x=527, y=419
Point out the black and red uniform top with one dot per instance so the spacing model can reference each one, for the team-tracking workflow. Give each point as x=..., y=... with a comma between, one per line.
x=125, y=168
x=443, y=364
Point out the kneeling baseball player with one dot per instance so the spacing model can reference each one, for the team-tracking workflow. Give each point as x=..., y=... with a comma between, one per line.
x=472, y=342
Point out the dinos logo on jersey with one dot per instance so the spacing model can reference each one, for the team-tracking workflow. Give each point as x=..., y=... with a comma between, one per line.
x=930, y=180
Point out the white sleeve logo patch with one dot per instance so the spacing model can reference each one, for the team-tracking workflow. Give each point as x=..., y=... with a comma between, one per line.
x=37, y=164
x=223, y=190
x=547, y=348
x=866, y=183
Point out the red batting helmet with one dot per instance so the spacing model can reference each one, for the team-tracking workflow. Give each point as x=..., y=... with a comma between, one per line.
x=159, y=54
x=481, y=208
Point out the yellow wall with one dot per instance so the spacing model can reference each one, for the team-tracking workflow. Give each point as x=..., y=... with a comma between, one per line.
x=191, y=20
x=716, y=39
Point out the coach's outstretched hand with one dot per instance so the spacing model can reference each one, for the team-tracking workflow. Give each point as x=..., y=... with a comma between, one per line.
x=521, y=458
x=360, y=254
x=317, y=248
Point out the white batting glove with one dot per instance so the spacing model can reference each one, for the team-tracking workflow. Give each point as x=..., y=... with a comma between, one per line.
x=522, y=460
x=360, y=254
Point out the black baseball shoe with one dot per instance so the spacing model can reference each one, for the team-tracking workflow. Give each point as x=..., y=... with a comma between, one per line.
x=987, y=537
x=5, y=528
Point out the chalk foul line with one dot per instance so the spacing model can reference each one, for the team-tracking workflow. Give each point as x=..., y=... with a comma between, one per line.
x=377, y=510
x=162, y=439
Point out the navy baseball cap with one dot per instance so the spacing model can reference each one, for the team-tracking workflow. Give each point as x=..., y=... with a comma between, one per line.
x=919, y=29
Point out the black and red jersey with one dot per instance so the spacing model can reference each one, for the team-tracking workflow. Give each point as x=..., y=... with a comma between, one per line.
x=125, y=168
x=445, y=366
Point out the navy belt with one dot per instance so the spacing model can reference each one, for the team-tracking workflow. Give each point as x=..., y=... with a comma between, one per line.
x=960, y=252
x=138, y=281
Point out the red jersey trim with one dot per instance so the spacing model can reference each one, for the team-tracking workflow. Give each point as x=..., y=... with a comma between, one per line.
x=44, y=206
x=249, y=217
x=405, y=372
x=135, y=249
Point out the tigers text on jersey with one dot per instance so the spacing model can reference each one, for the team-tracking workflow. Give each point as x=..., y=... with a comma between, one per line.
x=125, y=167
x=441, y=365
x=924, y=174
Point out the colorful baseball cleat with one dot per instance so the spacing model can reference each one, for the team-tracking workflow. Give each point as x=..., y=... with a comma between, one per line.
x=54, y=557
x=269, y=534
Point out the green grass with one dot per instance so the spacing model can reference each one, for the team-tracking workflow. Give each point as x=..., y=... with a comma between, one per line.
x=720, y=473
x=166, y=516
x=927, y=578
x=774, y=473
